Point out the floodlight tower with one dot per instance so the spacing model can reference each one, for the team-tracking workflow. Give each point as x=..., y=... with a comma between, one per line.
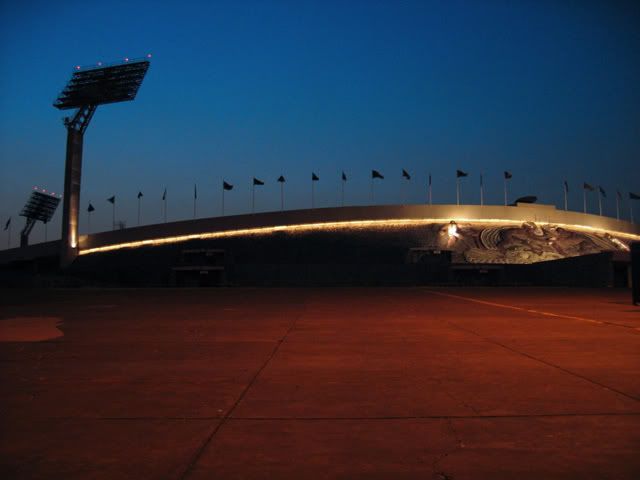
x=40, y=206
x=88, y=88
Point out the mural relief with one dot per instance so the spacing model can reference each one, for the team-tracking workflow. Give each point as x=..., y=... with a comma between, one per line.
x=526, y=243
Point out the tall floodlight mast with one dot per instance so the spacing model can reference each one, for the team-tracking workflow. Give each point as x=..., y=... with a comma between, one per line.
x=88, y=88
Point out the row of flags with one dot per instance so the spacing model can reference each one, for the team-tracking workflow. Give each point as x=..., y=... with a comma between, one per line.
x=375, y=175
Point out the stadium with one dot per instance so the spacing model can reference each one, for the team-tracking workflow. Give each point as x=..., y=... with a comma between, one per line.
x=525, y=244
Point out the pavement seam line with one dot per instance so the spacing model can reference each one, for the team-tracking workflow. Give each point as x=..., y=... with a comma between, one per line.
x=535, y=312
x=198, y=454
x=544, y=362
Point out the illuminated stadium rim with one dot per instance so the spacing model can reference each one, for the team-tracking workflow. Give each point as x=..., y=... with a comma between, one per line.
x=331, y=226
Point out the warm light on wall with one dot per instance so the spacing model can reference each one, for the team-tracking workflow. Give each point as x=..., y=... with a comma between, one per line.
x=307, y=227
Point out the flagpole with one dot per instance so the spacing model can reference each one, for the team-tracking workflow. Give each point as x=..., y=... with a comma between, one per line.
x=342, y=192
x=481, y=191
x=222, y=200
x=9, y=237
x=371, y=195
x=253, y=197
x=313, y=192
x=429, y=189
x=506, y=200
x=565, y=198
x=113, y=216
x=138, y=210
x=282, y=196
x=631, y=211
x=617, y=206
x=88, y=223
x=165, y=208
x=584, y=199
x=195, y=197
x=599, y=201
x=457, y=190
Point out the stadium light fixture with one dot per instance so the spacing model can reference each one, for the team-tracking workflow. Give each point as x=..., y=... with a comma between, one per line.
x=87, y=89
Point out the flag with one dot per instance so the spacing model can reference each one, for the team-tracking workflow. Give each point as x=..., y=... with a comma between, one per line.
x=6, y=225
x=376, y=174
x=619, y=194
x=140, y=195
x=429, y=179
x=604, y=194
x=586, y=186
x=405, y=174
x=227, y=186
x=164, y=195
x=507, y=175
x=90, y=208
x=344, y=177
x=634, y=196
x=566, y=186
x=257, y=182
x=314, y=177
x=281, y=179
x=112, y=200
x=460, y=173
x=195, y=191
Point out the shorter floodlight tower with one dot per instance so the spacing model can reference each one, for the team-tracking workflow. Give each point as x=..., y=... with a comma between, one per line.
x=88, y=88
x=40, y=206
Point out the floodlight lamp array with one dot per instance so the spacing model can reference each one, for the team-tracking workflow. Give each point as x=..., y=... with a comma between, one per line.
x=102, y=84
x=40, y=206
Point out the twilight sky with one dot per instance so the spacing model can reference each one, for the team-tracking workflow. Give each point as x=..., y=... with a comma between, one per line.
x=546, y=89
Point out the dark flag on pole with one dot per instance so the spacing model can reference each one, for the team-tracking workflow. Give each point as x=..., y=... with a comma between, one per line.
x=566, y=186
x=344, y=177
x=195, y=191
x=634, y=196
x=256, y=182
x=90, y=208
x=507, y=176
x=281, y=181
x=112, y=201
x=140, y=195
x=314, y=178
x=602, y=192
x=6, y=225
x=566, y=193
x=405, y=174
x=619, y=194
x=376, y=174
x=460, y=173
x=225, y=187
x=164, y=194
x=586, y=186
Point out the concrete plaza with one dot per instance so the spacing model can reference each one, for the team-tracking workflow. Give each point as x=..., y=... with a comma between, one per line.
x=439, y=383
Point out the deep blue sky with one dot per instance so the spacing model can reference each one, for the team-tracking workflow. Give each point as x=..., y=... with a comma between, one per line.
x=547, y=89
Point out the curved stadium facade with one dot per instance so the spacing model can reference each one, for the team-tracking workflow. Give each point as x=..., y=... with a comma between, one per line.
x=416, y=244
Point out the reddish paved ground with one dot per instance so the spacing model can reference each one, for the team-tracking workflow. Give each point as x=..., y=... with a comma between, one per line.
x=320, y=383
